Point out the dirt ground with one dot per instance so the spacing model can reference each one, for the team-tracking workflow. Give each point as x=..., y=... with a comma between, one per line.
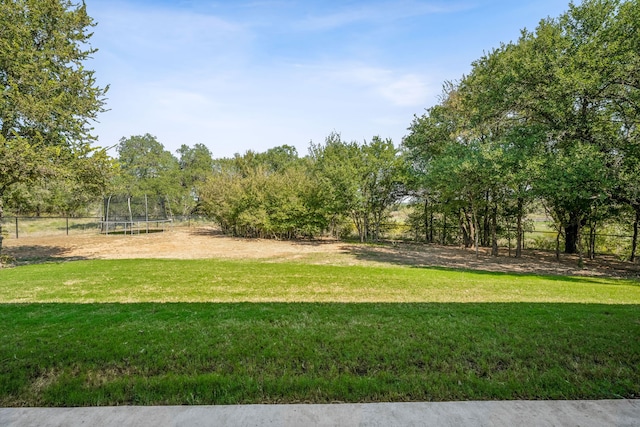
x=205, y=242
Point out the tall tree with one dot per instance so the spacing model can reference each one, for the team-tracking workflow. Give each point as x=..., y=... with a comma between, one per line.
x=562, y=77
x=362, y=181
x=196, y=165
x=148, y=170
x=622, y=38
x=553, y=115
x=48, y=98
x=493, y=118
x=428, y=138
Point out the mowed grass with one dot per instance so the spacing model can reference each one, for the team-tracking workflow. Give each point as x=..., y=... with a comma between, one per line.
x=154, y=280
x=227, y=332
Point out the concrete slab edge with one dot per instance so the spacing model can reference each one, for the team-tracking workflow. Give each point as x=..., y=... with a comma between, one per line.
x=591, y=413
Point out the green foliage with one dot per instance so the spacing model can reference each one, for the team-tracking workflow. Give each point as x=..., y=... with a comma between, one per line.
x=148, y=170
x=362, y=182
x=73, y=188
x=196, y=165
x=48, y=96
x=277, y=194
x=551, y=117
x=48, y=100
x=269, y=194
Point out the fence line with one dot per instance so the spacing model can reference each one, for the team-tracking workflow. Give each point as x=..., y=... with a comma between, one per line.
x=606, y=243
x=20, y=226
x=15, y=227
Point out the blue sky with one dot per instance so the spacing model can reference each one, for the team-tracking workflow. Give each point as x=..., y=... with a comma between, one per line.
x=241, y=75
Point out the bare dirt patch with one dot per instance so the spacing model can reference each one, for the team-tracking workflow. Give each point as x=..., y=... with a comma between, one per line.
x=205, y=242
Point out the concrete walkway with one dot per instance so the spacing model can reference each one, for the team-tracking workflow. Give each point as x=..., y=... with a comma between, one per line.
x=596, y=413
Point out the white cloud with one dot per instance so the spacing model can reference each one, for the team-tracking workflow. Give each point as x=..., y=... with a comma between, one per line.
x=376, y=13
x=167, y=38
x=190, y=77
x=405, y=89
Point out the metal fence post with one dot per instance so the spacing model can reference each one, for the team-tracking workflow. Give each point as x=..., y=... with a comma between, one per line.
x=16, y=227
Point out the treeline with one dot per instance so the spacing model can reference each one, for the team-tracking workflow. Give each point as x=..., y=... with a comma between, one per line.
x=143, y=169
x=549, y=121
x=278, y=194
x=160, y=183
x=338, y=187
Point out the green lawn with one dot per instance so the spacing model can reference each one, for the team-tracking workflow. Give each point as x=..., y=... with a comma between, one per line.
x=157, y=280
x=218, y=332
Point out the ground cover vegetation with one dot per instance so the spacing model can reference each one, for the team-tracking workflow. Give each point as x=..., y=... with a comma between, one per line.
x=548, y=122
x=224, y=332
x=210, y=280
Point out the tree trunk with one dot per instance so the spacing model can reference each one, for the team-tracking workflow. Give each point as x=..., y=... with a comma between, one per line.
x=444, y=229
x=592, y=241
x=519, y=232
x=431, y=226
x=494, y=230
x=466, y=228
x=426, y=224
x=365, y=227
x=475, y=232
x=579, y=246
x=1, y=221
x=486, y=223
x=571, y=231
x=634, y=241
x=359, y=225
x=465, y=237
x=376, y=227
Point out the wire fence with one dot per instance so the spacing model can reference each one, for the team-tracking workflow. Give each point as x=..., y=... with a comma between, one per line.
x=608, y=243
x=20, y=226
x=17, y=227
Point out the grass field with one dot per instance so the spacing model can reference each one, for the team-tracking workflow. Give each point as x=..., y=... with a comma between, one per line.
x=224, y=332
x=155, y=280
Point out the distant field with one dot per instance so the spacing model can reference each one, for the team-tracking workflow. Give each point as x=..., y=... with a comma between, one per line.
x=226, y=332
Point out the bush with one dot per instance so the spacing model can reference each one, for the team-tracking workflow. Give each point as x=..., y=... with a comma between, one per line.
x=6, y=260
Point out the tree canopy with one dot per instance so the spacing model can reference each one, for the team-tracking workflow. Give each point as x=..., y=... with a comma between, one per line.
x=552, y=117
x=48, y=98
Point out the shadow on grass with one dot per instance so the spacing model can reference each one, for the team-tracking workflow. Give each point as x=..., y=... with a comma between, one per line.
x=38, y=254
x=207, y=232
x=447, y=258
x=212, y=232
x=230, y=353
x=552, y=277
